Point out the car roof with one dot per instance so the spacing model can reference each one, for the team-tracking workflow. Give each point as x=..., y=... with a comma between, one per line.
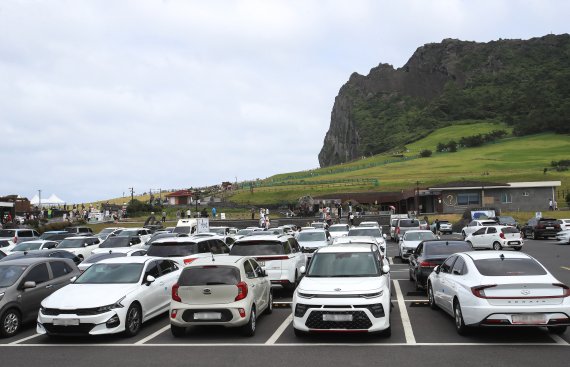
x=354, y=247
x=133, y=228
x=80, y=237
x=55, y=232
x=418, y=231
x=319, y=230
x=355, y=239
x=26, y=261
x=491, y=254
x=218, y=260
x=338, y=225
x=130, y=260
x=180, y=240
x=436, y=241
x=37, y=241
x=267, y=237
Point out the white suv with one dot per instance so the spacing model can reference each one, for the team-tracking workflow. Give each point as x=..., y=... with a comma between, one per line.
x=496, y=237
x=279, y=255
x=185, y=250
x=345, y=289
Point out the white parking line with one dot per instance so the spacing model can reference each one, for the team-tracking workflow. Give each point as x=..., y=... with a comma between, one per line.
x=408, y=331
x=390, y=261
x=24, y=339
x=310, y=345
x=558, y=339
x=153, y=335
x=280, y=330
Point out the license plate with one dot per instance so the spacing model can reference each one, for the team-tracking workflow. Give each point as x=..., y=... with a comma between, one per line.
x=549, y=227
x=529, y=319
x=207, y=316
x=66, y=322
x=338, y=318
x=514, y=242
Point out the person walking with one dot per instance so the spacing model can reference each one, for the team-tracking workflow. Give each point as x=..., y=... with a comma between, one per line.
x=550, y=205
x=351, y=218
x=214, y=212
x=177, y=214
x=188, y=214
x=437, y=227
x=252, y=213
x=163, y=216
x=555, y=204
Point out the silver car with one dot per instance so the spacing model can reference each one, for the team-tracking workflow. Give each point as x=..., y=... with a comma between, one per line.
x=24, y=283
x=405, y=225
x=311, y=239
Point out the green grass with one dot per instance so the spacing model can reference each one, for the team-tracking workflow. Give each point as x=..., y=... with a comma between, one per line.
x=507, y=160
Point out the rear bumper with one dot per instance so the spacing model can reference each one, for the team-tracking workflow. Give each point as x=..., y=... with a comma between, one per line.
x=556, y=315
x=230, y=316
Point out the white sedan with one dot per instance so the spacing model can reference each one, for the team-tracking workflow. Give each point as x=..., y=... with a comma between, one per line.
x=410, y=241
x=112, y=296
x=496, y=238
x=490, y=288
x=80, y=246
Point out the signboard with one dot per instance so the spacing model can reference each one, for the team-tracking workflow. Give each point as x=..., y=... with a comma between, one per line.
x=538, y=215
x=203, y=225
x=482, y=214
x=222, y=216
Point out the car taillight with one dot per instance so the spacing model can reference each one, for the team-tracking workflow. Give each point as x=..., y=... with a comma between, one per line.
x=270, y=258
x=15, y=239
x=188, y=261
x=427, y=264
x=480, y=290
x=175, y=295
x=564, y=287
x=502, y=235
x=398, y=230
x=540, y=226
x=242, y=291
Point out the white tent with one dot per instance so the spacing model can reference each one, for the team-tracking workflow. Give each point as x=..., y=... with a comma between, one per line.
x=51, y=201
x=35, y=200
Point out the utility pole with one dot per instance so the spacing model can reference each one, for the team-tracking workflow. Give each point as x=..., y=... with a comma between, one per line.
x=132, y=193
x=417, y=208
x=39, y=198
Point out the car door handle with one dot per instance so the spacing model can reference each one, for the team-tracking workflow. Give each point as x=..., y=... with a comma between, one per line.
x=49, y=286
x=253, y=286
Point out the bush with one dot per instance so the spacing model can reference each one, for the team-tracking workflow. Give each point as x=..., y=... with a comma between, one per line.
x=568, y=199
x=441, y=147
x=452, y=146
x=137, y=206
x=425, y=153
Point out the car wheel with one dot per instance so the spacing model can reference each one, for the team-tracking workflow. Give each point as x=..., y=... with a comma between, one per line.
x=470, y=244
x=10, y=323
x=497, y=246
x=557, y=329
x=417, y=284
x=518, y=248
x=463, y=234
x=249, y=328
x=177, y=331
x=81, y=257
x=458, y=316
x=431, y=298
x=269, y=308
x=133, y=321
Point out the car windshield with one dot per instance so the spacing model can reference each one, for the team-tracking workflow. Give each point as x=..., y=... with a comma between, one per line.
x=311, y=236
x=221, y=231
x=418, y=236
x=343, y=264
x=318, y=225
x=128, y=232
x=7, y=233
x=98, y=257
x=209, y=275
x=9, y=274
x=182, y=230
x=257, y=248
x=106, y=231
x=244, y=232
x=488, y=223
x=409, y=223
x=173, y=249
x=372, y=232
x=509, y=230
x=71, y=243
x=338, y=229
x=111, y=274
x=445, y=248
x=27, y=246
x=116, y=242
x=507, y=267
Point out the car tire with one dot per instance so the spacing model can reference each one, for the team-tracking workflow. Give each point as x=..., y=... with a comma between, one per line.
x=269, y=309
x=417, y=284
x=557, y=329
x=410, y=275
x=10, y=323
x=463, y=234
x=249, y=328
x=460, y=326
x=470, y=244
x=177, y=331
x=292, y=286
x=431, y=298
x=497, y=246
x=133, y=321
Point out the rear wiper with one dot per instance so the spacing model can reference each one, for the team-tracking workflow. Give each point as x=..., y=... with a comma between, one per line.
x=216, y=283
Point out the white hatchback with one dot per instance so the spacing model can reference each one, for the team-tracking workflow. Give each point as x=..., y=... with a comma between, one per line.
x=346, y=289
x=490, y=288
x=338, y=230
x=496, y=238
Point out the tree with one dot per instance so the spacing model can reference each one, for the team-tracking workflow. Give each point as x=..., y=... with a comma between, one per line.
x=440, y=147
x=568, y=199
x=452, y=146
x=425, y=153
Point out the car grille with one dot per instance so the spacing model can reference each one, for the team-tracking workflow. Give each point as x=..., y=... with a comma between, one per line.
x=188, y=315
x=78, y=312
x=359, y=321
x=81, y=329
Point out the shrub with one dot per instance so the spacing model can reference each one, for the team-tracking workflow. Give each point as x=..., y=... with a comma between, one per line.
x=452, y=146
x=425, y=153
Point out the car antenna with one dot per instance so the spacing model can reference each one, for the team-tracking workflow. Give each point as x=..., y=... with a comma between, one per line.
x=502, y=257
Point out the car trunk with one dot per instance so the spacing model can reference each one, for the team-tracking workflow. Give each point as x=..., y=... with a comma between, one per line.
x=205, y=294
x=519, y=293
x=208, y=284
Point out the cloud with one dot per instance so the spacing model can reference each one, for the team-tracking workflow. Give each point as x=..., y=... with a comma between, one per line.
x=99, y=96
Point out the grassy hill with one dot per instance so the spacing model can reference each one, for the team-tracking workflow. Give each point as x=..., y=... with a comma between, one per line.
x=506, y=160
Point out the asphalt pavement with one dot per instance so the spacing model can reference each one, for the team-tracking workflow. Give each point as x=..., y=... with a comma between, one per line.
x=420, y=335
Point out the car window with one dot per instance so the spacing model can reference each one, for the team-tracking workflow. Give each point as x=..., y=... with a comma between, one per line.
x=286, y=247
x=479, y=232
x=59, y=268
x=209, y=275
x=152, y=269
x=139, y=253
x=25, y=234
x=203, y=247
x=491, y=230
x=459, y=266
x=38, y=274
x=473, y=223
x=248, y=269
x=166, y=266
x=446, y=266
x=509, y=267
x=230, y=241
x=256, y=268
x=50, y=245
x=36, y=234
x=419, y=249
x=257, y=248
x=294, y=245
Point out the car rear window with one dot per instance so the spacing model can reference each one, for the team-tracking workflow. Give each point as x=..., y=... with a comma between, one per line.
x=209, y=275
x=372, y=232
x=257, y=248
x=7, y=233
x=98, y=257
x=115, y=242
x=409, y=223
x=445, y=248
x=509, y=230
x=172, y=249
x=507, y=267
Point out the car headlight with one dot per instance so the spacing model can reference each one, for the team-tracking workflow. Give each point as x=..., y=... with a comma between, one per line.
x=108, y=308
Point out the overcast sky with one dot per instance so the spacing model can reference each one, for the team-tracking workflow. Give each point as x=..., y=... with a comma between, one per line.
x=99, y=96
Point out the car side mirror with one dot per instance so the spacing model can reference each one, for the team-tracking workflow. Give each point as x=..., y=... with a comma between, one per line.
x=150, y=279
x=436, y=269
x=29, y=284
x=385, y=269
x=303, y=269
x=384, y=236
x=72, y=280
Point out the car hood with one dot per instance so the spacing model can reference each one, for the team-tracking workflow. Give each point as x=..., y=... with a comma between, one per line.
x=74, y=296
x=346, y=285
x=312, y=244
x=410, y=244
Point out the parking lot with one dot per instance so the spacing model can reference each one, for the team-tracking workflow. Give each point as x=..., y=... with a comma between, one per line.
x=413, y=324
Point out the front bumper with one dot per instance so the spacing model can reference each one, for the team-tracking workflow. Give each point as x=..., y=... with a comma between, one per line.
x=110, y=322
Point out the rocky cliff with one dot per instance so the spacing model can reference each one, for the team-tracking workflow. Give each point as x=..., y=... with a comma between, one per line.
x=514, y=81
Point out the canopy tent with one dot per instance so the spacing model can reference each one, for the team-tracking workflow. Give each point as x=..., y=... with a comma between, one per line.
x=51, y=201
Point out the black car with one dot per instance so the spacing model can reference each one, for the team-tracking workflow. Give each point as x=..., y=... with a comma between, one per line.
x=507, y=221
x=60, y=254
x=78, y=230
x=537, y=228
x=118, y=241
x=430, y=254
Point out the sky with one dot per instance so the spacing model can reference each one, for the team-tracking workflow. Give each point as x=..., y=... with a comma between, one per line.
x=100, y=96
